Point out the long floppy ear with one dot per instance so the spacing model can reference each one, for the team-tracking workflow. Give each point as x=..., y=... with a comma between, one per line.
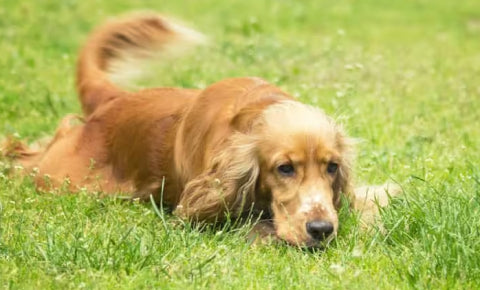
x=343, y=182
x=226, y=187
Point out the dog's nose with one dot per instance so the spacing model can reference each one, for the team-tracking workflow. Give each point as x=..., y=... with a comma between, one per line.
x=319, y=230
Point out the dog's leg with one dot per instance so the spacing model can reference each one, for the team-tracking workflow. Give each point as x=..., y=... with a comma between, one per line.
x=18, y=153
x=368, y=199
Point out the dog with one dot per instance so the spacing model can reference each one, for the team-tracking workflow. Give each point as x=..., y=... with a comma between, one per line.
x=239, y=146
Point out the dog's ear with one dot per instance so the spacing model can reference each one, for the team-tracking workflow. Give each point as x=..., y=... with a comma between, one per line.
x=342, y=185
x=343, y=181
x=227, y=187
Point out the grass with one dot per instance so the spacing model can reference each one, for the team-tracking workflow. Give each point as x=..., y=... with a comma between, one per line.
x=403, y=76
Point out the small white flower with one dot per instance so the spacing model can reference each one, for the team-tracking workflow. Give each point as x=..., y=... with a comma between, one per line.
x=338, y=269
x=357, y=253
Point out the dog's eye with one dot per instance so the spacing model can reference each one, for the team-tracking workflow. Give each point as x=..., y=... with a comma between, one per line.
x=332, y=167
x=286, y=169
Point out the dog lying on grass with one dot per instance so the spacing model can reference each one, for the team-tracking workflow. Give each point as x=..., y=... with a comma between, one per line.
x=239, y=146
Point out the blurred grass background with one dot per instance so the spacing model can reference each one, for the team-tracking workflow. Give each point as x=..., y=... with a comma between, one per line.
x=402, y=76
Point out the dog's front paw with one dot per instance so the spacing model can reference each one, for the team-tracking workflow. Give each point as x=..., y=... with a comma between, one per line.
x=369, y=198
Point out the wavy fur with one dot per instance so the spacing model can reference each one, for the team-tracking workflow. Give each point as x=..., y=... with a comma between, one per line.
x=239, y=144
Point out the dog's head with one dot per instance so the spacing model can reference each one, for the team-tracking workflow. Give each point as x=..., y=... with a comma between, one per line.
x=291, y=160
x=304, y=161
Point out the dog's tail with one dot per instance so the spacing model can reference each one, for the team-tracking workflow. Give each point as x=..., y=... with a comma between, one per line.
x=120, y=41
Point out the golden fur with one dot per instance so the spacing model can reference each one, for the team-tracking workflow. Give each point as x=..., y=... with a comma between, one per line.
x=224, y=150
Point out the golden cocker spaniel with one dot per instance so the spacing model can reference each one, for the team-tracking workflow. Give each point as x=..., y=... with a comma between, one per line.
x=240, y=145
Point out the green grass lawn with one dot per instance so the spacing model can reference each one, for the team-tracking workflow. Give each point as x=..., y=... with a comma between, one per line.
x=403, y=76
